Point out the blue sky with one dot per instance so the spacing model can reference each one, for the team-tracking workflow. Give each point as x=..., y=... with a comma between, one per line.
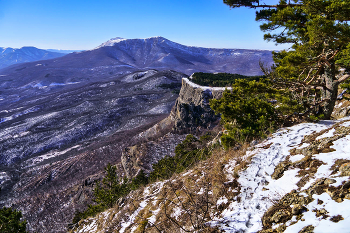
x=85, y=24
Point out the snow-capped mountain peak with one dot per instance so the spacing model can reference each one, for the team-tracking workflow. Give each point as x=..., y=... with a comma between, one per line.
x=116, y=40
x=111, y=42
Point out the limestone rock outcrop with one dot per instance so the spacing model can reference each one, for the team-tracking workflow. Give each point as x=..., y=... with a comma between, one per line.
x=192, y=109
x=190, y=114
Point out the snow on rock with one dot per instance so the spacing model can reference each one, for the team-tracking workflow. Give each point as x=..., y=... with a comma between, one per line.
x=136, y=77
x=187, y=80
x=321, y=224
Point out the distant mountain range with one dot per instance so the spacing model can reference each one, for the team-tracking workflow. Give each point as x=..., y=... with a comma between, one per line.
x=160, y=53
x=150, y=53
x=115, y=58
x=11, y=56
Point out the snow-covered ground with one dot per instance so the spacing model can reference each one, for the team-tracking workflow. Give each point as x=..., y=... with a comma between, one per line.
x=259, y=191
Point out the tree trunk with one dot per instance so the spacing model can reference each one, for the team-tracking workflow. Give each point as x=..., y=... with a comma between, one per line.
x=330, y=93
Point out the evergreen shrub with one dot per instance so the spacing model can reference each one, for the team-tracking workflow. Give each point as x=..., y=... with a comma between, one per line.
x=252, y=109
x=220, y=79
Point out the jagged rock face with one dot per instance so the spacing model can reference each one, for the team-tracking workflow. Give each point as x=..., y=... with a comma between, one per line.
x=191, y=113
x=142, y=156
x=192, y=109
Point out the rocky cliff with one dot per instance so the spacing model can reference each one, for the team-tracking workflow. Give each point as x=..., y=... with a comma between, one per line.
x=192, y=108
x=190, y=114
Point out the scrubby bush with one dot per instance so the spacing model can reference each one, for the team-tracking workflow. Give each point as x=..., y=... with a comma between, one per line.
x=10, y=221
x=139, y=180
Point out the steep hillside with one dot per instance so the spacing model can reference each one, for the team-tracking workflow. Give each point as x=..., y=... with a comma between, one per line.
x=53, y=147
x=292, y=181
x=295, y=181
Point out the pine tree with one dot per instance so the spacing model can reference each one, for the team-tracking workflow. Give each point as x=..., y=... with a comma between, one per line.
x=319, y=58
x=107, y=193
x=251, y=109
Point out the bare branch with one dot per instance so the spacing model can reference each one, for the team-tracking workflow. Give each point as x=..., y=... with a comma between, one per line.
x=343, y=78
x=171, y=219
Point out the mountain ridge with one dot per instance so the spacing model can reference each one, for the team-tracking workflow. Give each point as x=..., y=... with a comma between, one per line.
x=124, y=57
x=11, y=56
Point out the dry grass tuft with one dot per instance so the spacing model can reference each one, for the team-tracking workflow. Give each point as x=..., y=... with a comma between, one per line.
x=336, y=218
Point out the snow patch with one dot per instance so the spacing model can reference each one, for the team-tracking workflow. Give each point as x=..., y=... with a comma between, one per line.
x=135, y=77
x=29, y=110
x=132, y=218
x=111, y=42
x=258, y=189
x=326, y=135
x=33, y=161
